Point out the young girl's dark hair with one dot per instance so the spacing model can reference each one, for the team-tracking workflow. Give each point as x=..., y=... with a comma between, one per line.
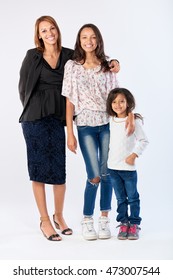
x=79, y=53
x=128, y=96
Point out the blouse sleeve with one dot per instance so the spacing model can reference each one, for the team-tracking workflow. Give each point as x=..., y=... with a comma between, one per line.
x=112, y=81
x=69, y=82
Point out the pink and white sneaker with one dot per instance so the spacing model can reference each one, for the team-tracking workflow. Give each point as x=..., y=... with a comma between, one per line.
x=123, y=231
x=133, y=232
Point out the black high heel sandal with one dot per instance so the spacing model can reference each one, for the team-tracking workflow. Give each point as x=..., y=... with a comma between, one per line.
x=53, y=236
x=66, y=231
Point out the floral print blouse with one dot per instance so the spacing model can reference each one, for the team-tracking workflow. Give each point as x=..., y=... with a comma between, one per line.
x=88, y=89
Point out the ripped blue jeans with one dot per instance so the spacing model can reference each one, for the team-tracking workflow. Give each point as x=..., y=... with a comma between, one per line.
x=94, y=145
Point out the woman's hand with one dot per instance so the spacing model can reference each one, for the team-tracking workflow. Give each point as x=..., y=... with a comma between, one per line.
x=114, y=65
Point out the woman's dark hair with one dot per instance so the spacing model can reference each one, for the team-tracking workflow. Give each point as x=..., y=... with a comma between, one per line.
x=39, y=42
x=128, y=96
x=79, y=53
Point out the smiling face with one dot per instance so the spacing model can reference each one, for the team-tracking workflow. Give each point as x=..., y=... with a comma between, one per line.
x=88, y=40
x=48, y=33
x=119, y=106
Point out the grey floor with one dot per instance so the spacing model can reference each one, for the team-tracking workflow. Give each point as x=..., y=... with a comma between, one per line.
x=22, y=239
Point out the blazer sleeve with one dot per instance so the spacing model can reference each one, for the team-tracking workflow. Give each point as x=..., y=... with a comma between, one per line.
x=23, y=76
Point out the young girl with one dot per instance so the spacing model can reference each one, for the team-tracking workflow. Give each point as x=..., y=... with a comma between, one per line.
x=123, y=151
x=87, y=83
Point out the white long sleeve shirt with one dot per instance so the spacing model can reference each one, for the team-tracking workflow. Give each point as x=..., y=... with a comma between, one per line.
x=121, y=145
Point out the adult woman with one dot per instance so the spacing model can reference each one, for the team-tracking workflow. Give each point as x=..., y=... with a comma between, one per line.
x=87, y=82
x=43, y=120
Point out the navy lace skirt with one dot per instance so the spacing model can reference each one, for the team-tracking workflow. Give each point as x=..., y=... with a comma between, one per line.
x=45, y=142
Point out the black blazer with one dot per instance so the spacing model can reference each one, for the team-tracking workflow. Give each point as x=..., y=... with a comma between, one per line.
x=30, y=72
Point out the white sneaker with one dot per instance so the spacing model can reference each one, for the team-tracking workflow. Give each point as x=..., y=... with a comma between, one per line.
x=88, y=230
x=104, y=231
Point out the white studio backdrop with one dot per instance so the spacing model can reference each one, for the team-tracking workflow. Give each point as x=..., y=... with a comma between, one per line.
x=137, y=33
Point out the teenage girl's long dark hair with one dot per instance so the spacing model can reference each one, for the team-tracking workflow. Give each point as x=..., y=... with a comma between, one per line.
x=79, y=53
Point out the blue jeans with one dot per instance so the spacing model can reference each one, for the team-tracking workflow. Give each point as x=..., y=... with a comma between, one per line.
x=94, y=144
x=124, y=184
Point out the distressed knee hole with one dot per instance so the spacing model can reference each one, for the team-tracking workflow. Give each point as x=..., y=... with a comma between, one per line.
x=95, y=180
